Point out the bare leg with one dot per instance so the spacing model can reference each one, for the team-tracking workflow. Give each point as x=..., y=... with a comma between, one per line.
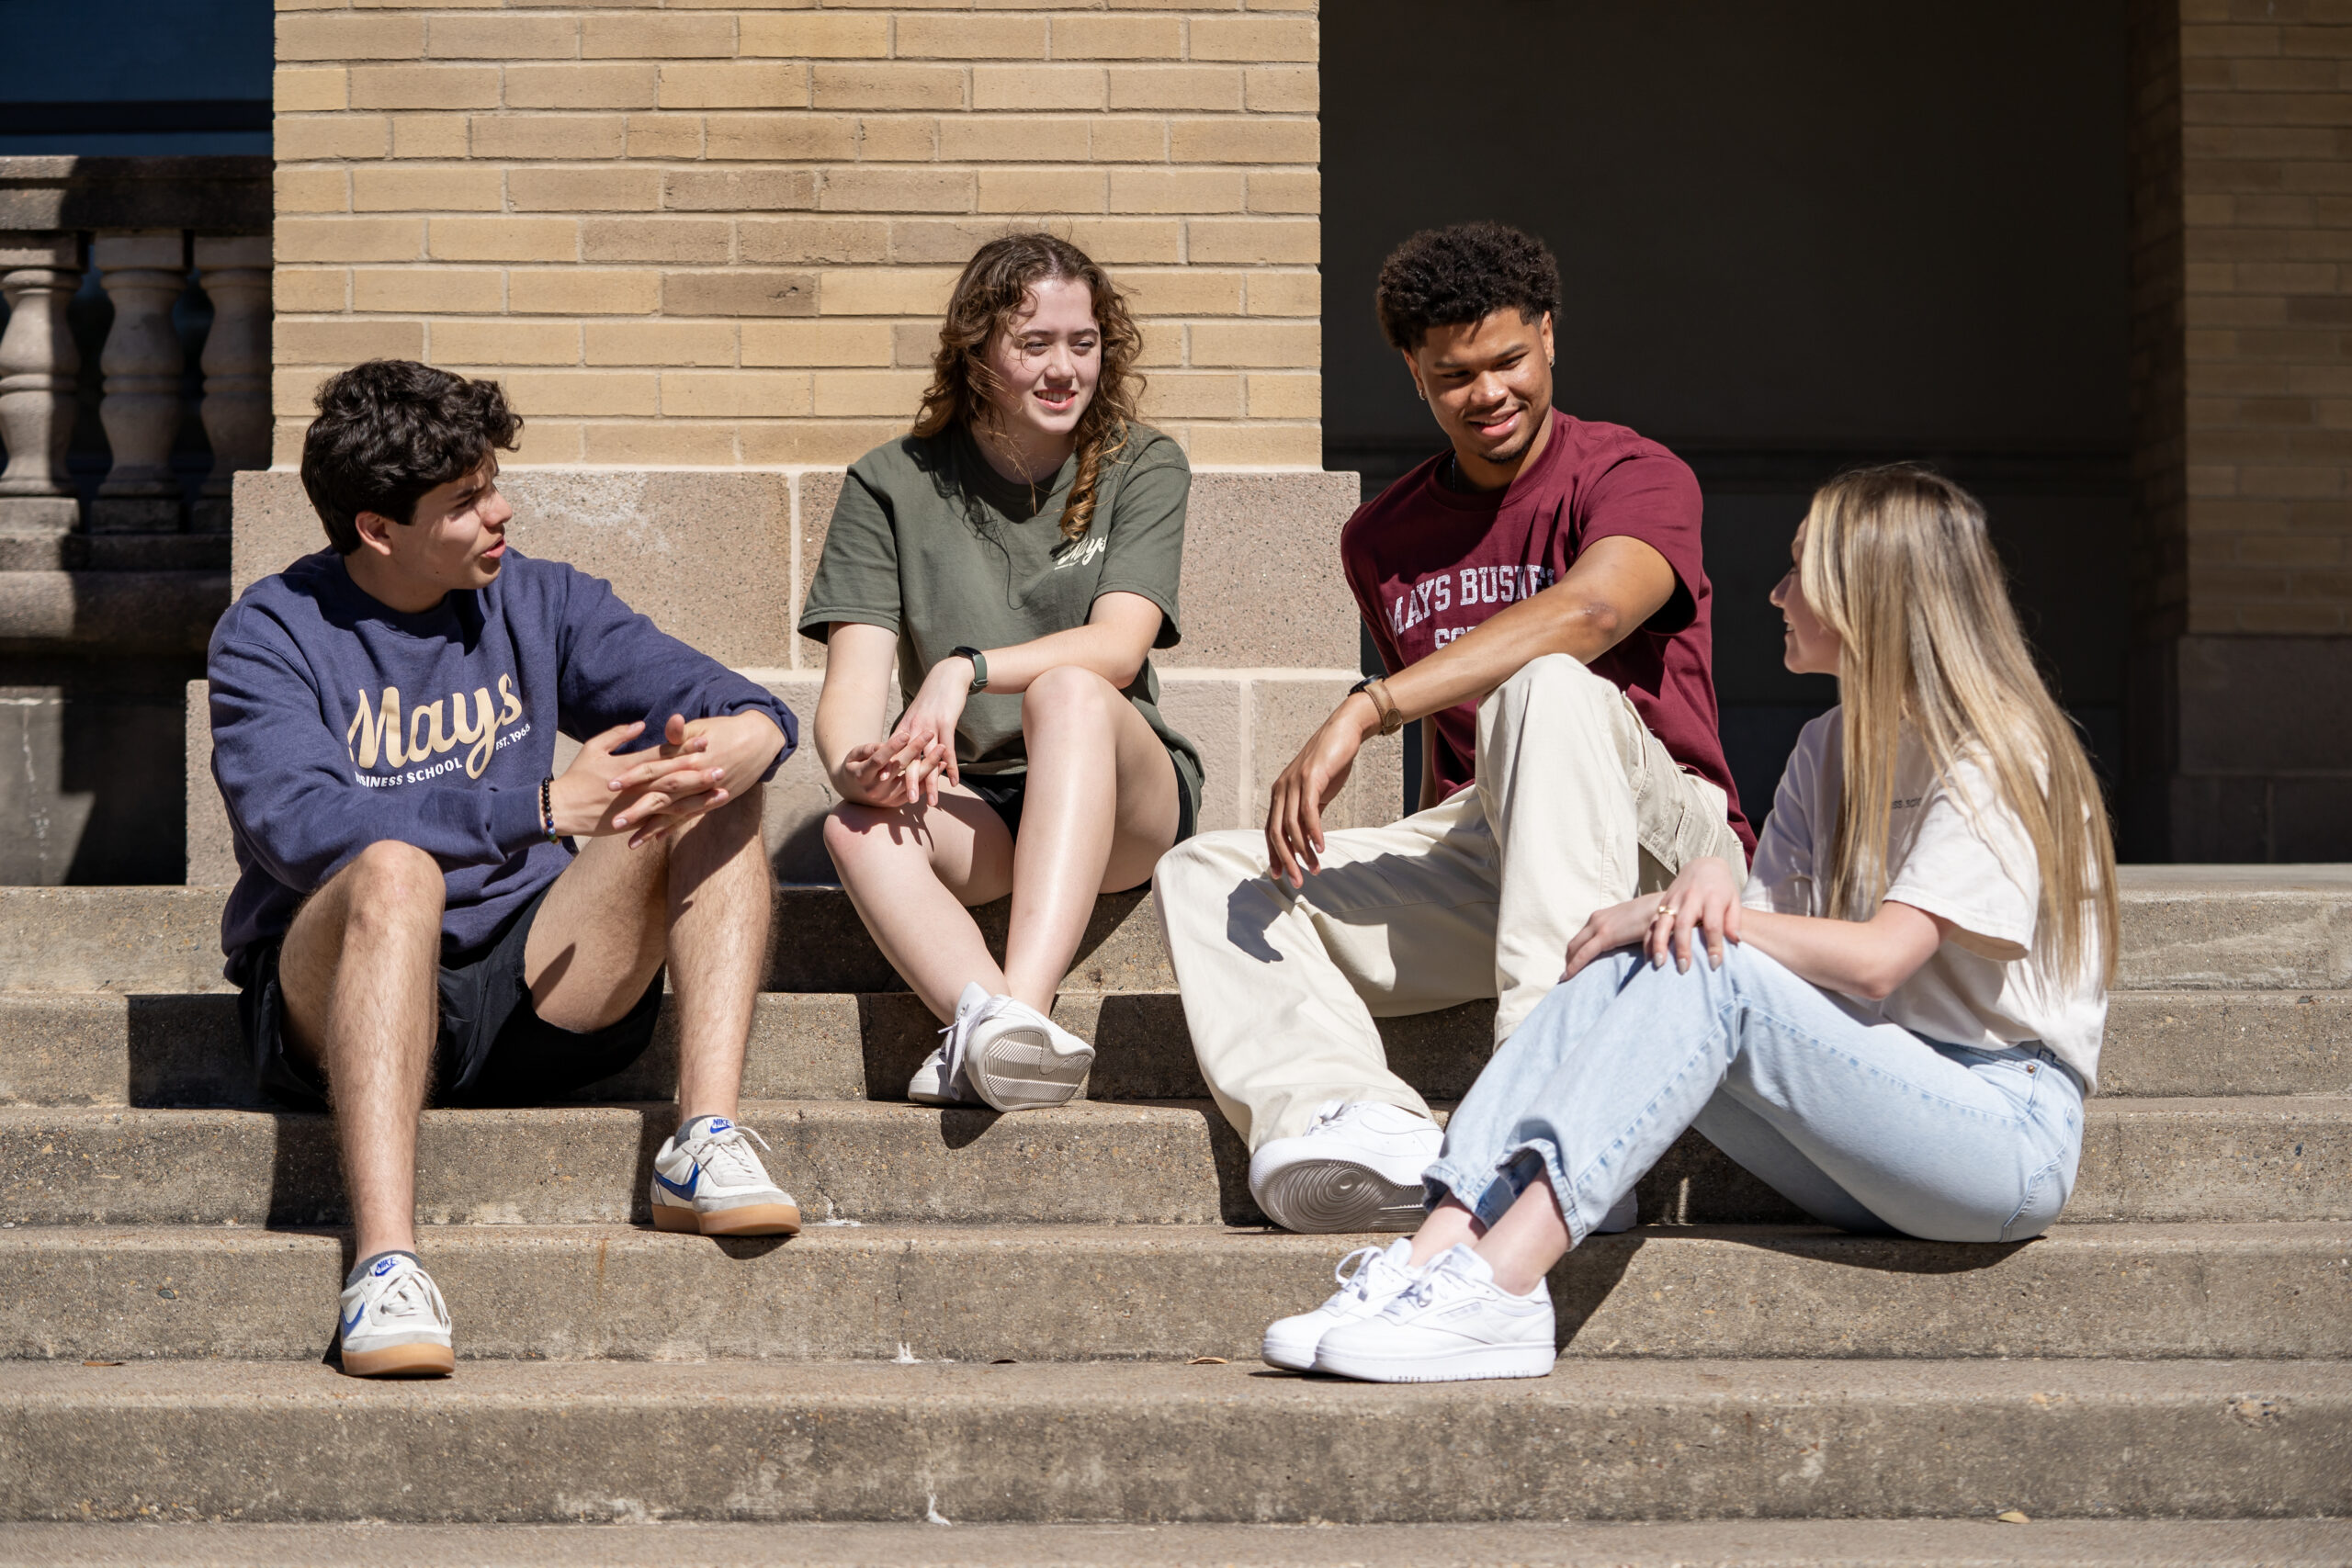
x=701, y=896
x=911, y=871
x=359, y=973
x=1449, y=1224
x=1522, y=1247
x=1101, y=811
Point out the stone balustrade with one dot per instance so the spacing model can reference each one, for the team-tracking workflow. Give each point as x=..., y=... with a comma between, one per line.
x=144, y=227
x=114, y=559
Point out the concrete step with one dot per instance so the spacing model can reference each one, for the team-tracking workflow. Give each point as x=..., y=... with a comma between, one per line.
x=105, y=1048
x=1602, y=1439
x=2253, y=1158
x=1979, y=1542
x=2194, y=928
x=1070, y=1293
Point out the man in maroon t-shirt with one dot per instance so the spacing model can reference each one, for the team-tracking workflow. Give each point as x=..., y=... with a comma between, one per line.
x=1538, y=598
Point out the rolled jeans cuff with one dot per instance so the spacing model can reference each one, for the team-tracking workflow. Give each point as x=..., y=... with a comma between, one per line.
x=1488, y=1191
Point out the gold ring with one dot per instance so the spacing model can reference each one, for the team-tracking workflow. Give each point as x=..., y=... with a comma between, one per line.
x=1664, y=912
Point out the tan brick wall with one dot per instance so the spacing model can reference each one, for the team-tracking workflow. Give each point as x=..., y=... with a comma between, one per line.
x=720, y=236
x=2265, y=238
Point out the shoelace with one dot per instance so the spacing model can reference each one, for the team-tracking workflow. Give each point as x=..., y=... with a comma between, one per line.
x=1357, y=1281
x=725, y=1155
x=408, y=1295
x=1432, y=1283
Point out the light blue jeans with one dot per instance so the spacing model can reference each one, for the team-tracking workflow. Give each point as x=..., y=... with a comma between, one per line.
x=1865, y=1126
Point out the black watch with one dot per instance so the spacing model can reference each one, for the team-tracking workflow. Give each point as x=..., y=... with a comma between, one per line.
x=980, y=666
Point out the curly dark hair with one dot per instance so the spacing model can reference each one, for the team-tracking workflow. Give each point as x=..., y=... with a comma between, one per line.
x=987, y=299
x=1467, y=272
x=391, y=429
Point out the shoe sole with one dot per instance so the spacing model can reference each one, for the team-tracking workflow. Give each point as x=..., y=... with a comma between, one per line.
x=752, y=1219
x=425, y=1360
x=1330, y=1197
x=1018, y=1070
x=1268, y=1353
x=1470, y=1365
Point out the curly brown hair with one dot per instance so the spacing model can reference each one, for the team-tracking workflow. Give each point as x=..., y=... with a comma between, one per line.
x=987, y=301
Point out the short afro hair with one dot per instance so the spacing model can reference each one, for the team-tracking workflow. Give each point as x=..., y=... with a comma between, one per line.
x=391, y=429
x=1442, y=277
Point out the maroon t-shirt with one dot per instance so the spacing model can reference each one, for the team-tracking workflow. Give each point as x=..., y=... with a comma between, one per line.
x=1427, y=563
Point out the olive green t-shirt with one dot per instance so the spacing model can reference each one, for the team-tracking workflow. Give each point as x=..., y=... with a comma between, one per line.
x=932, y=543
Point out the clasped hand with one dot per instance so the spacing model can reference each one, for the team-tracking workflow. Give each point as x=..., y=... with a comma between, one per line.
x=647, y=793
x=1704, y=899
x=905, y=768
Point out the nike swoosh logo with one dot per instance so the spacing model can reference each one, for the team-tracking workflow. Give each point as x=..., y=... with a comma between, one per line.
x=688, y=1190
x=354, y=1320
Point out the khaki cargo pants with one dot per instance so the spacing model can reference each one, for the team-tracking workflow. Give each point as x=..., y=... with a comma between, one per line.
x=1576, y=807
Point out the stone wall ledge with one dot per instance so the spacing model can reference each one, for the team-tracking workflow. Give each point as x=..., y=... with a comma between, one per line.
x=220, y=194
x=110, y=612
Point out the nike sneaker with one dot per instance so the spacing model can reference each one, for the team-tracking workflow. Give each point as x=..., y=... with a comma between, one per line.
x=707, y=1181
x=394, y=1322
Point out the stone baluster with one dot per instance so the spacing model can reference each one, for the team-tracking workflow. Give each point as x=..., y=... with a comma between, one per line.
x=38, y=372
x=144, y=273
x=234, y=273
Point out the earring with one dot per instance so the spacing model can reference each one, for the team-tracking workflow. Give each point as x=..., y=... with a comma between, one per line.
x=1418, y=393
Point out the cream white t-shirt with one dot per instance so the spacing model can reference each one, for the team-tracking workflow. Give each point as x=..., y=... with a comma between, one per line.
x=1983, y=987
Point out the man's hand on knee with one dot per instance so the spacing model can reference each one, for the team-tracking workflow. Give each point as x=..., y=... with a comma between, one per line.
x=697, y=767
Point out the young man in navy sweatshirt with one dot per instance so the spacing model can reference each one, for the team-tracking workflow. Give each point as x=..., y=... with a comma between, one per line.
x=423, y=904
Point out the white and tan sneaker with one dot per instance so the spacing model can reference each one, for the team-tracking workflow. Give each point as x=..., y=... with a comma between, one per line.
x=394, y=1322
x=707, y=1180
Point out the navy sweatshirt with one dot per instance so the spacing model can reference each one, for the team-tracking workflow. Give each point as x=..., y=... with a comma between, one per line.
x=338, y=721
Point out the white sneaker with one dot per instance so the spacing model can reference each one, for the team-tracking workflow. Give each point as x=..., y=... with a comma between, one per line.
x=1377, y=1278
x=1011, y=1055
x=713, y=1184
x=941, y=1080
x=1450, y=1324
x=1357, y=1167
x=395, y=1323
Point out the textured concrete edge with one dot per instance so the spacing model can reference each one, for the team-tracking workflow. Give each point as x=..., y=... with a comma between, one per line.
x=1661, y=1441
x=1977, y=1542
x=1064, y=1293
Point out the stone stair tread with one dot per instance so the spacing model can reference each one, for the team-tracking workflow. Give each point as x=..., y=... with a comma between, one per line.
x=1034, y=1441
x=2203, y=926
x=183, y=1049
x=2254, y=1157
x=1065, y=1292
x=1750, y=1544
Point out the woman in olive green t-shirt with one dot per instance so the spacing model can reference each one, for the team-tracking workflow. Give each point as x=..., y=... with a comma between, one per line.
x=1014, y=560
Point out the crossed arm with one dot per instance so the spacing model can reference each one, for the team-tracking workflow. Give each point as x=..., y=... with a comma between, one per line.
x=1615, y=585
x=1866, y=959
x=908, y=764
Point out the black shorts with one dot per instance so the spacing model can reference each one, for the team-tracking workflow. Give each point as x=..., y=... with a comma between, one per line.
x=1005, y=792
x=493, y=1048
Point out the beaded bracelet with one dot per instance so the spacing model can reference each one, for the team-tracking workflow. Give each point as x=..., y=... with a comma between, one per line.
x=546, y=809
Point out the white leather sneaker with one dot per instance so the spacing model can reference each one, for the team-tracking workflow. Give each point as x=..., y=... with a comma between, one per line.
x=1018, y=1059
x=1376, y=1278
x=713, y=1184
x=1357, y=1167
x=394, y=1322
x=941, y=1080
x=1450, y=1325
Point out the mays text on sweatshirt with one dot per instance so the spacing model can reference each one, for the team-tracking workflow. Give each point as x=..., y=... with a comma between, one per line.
x=338, y=722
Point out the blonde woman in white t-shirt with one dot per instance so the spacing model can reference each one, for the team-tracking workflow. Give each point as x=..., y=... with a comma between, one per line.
x=1895, y=1026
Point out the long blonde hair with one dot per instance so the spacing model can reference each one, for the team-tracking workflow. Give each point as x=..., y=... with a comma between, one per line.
x=1896, y=562
x=987, y=299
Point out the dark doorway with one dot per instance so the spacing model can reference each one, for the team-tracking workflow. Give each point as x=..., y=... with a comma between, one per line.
x=1793, y=236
